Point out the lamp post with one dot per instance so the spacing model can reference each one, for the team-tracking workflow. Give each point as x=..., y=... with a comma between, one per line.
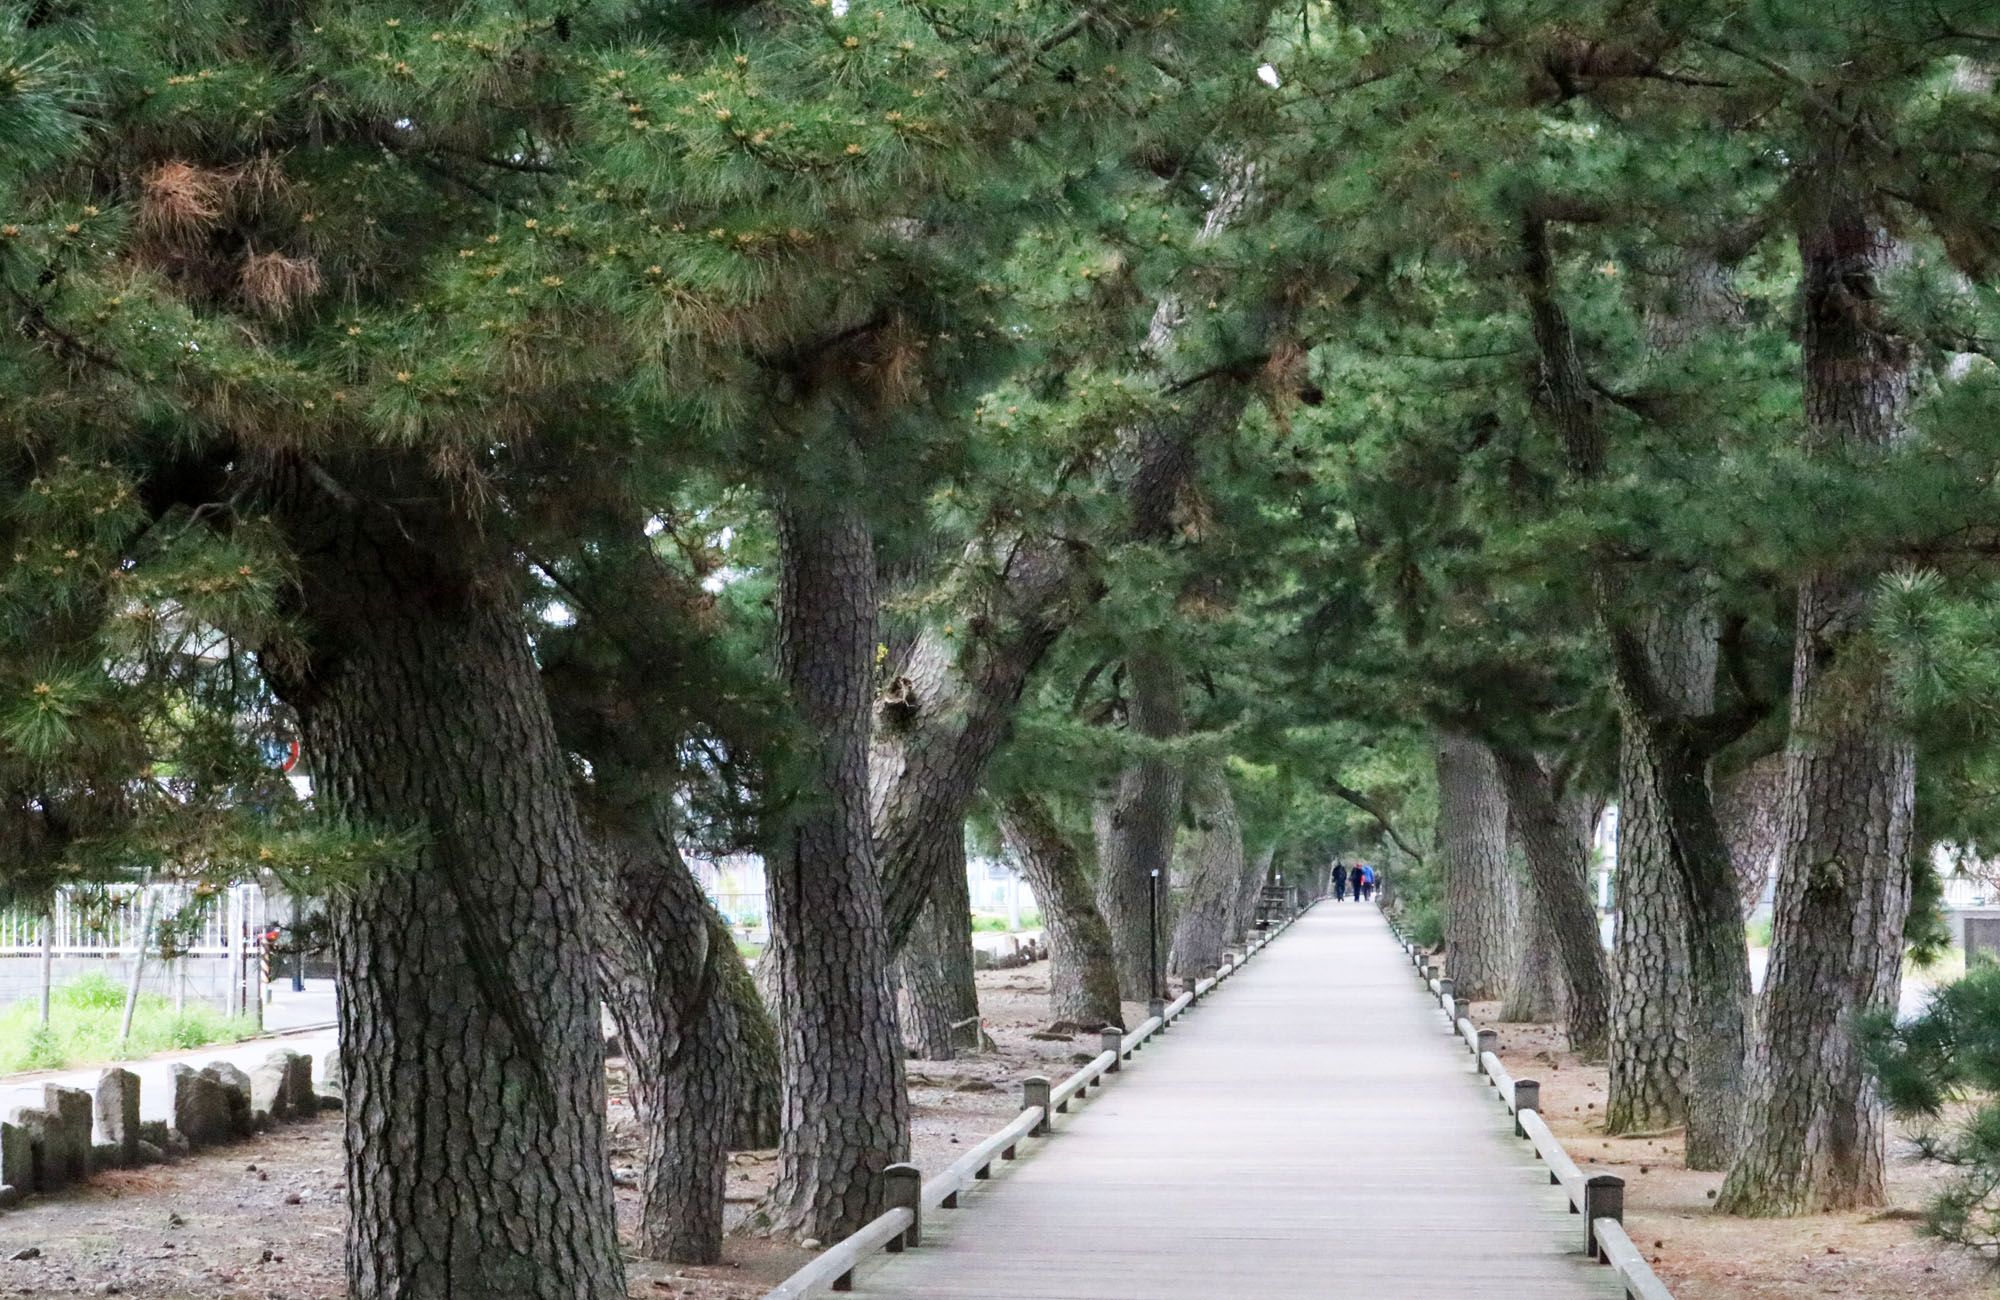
x=1153, y=927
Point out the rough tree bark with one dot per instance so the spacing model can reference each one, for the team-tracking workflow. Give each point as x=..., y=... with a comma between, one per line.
x=1814, y=1128
x=1256, y=870
x=1535, y=994
x=1558, y=864
x=1649, y=1025
x=1083, y=974
x=936, y=970
x=1482, y=907
x=664, y=958
x=1213, y=854
x=473, y=1060
x=846, y=1112
x=1669, y=734
x=1137, y=822
x=1749, y=805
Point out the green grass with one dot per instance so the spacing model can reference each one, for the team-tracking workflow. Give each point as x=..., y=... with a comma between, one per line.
x=1758, y=932
x=84, y=1017
x=992, y=923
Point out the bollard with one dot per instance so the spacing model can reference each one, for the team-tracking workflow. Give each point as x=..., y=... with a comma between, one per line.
x=1445, y=987
x=1460, y=1009
x=1527, y=1096
x=1603, y=1198
x=1489, y=1041
x=1035, y=1092
x=1156, y=1009
x=905, y=1186
x=1112, y=1039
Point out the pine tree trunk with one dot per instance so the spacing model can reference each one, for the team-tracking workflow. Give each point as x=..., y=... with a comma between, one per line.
x=936, y=969
x=470, y=1042
x=1135, y=828
x=1535, y=994
x=846, y=1113
x=1815, y=1131
x=1083, y=974
x=754, y=1067
x=662, y=955
x=1649, y=1027
x=1748, y=805
x=1558, y=864
x=1256, y=870
x=1482, y=909
x=1213, y=855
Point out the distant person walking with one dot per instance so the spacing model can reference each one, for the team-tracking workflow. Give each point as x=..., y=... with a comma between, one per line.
x=1367, y=882
x=1354, y=881
x=1339, y=882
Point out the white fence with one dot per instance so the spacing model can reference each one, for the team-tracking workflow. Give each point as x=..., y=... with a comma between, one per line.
x=108, y=921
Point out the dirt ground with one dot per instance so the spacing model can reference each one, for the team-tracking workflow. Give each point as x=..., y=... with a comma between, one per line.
x=1705, y=1256
x=262, y=1219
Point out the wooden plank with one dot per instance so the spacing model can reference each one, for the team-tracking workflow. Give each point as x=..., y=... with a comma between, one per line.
x=1305, y=1136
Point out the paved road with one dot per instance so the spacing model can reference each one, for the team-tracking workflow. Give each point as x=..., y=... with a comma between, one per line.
x=1311, y=1131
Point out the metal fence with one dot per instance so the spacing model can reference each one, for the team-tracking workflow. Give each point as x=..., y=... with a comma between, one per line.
x=112, y=920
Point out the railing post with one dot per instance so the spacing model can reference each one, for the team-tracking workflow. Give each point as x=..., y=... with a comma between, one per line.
x=1603, y=1198
x=1527, y=1096
x=1112, y=1039
x=1445, y=987
x=1156, y=1009
x=905, y=1191
x=1489, y=1041
x=1035, y=1092
x=1460, y=1009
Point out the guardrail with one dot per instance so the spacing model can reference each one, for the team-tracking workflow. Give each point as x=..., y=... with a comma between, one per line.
x=900, y=1227
x=1599, y=1199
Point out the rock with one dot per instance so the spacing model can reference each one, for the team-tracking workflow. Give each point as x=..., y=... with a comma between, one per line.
x=118, y=1112
x=331, y=1101
x=981, y=959
x=299, y=1083
x=10, y=1196
x=149, y=1153
x=235, y=1087
x=109, y=1155
x=329, y=1073
x=201, y=1108
x=269, y=1094
x=17, y=1157
x=66, y=1145
x=27, y=1252
x=153, y=1131
x=1045, y=1036
x=977, y=1085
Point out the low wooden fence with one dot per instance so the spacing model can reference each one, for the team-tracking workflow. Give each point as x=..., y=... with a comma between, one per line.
x=1599, y=1199
x=901, y=1226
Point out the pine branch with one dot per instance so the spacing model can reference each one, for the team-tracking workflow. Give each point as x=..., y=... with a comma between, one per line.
x=1350, y=795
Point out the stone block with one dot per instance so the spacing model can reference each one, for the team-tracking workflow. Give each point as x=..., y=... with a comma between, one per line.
x=201, y=1108
x=269, y=1097
x=153, y=1131
x=17, y=1155
x=235, y=1086
x=118, y=1112
x=299, y=1083
x=10, y=1196
x=330, y=1076
x=66, y=1147
x=150, y=1154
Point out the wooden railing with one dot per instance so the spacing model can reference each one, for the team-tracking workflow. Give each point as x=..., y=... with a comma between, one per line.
x=901, y=1226
x=1599, y=1199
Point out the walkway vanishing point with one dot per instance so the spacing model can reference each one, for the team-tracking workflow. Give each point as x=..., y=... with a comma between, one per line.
x=1311, y=1130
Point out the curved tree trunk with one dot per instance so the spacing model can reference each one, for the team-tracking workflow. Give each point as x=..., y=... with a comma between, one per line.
x=1207, y=910
x=1482, y=908
x=1649, y=1028
x=936, y=969
x=846, y=1113
x=1558, y=863
x=756, y=1074
x=1250, y=888
x=1136, y=826
x=1748, y=804
x=470, y=1043
x=1083, y=975
x=662, y=955
x=1535, y=994
x=1815, y=1131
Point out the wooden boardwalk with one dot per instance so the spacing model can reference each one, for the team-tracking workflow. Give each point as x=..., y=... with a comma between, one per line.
x=1312, y=1129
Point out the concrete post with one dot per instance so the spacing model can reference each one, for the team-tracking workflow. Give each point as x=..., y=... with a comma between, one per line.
x=1527, y=1096
x=1035, y=1092
x=1156, y=1009
x=1489, y=1041
x=1444, y=991
x=1460, y=1009
x=1112, y=1039
x=1603, y=1198
x=905, y=1187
